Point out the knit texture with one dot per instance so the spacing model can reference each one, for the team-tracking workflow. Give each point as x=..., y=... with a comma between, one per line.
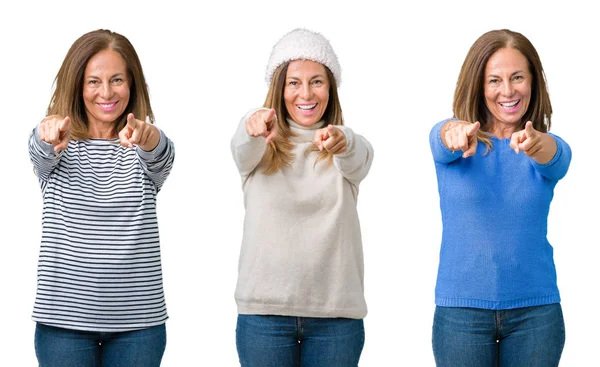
x=494, y=252
x=301, y=252
x=302, y=44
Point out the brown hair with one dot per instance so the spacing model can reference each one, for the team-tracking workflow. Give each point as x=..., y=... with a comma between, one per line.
x=67, y=99
x=279, y=151
x=469, y=100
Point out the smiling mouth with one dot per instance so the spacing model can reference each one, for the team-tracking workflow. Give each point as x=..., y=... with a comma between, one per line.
x=307, y=107
x=510, y=104
x=108, y=106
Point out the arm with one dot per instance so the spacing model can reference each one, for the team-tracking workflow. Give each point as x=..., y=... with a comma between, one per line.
x=158, y=162
x=441, y=154
x=354, y=163
x=557, y=167
x=42, y=155
x=247, y=150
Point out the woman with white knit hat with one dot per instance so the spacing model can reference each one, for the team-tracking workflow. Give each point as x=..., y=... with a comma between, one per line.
x=300, y=285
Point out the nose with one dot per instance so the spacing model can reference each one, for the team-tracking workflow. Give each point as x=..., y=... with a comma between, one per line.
x=306, y=91
x=507, y=88
x=106, y=91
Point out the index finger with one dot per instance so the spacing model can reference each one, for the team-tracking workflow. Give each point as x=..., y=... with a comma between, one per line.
x=270, y=115
x=131, y=120
x=64, y=124
x=529, y=128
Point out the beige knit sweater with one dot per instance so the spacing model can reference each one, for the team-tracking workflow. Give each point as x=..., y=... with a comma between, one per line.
x=301, y=251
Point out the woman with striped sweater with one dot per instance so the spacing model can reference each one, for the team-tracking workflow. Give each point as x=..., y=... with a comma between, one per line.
x=100, y=162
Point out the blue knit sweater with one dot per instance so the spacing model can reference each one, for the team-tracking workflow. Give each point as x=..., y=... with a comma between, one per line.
x=494, y=252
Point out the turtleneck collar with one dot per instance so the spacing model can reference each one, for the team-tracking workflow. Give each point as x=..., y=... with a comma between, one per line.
x=304, y=134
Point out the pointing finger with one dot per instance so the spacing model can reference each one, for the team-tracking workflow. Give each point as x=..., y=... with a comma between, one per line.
x=472, y=131
x=270, y=116
x=65, y=124
x=131, y=121
x=529, y=130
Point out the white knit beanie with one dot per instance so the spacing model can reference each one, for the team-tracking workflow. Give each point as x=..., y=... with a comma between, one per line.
x=302, y=44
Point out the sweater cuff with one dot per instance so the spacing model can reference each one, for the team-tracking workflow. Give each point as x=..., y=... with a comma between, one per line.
x=43, y=146
x=554, y=159
x=153, y=154
x=440, y=152
x=349, y=134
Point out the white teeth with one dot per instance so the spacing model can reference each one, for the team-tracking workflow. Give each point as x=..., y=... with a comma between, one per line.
x=511, y=104
x=307, y=107
x=106, y=104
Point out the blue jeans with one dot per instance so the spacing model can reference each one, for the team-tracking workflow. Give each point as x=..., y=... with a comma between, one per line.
x=286, y=341
x=73, y=348
x=521, y=337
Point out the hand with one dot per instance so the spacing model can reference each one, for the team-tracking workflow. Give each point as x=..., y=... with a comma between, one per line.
x=144, y=135
x=55, y=130
x=535, y=144
x=461, y=135
x=331, y=139
x=263, y=123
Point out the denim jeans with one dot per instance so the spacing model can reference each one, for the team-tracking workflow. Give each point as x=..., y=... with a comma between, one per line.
x=73, y=348
x=521, y=337
x=286, y=341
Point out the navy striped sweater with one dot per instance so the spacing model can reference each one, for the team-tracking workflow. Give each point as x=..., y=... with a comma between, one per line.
x=99, y=265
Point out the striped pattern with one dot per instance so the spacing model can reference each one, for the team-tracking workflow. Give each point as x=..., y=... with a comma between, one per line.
x=99, y=266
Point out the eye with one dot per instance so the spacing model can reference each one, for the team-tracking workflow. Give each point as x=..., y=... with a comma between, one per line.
x=317, y=82
x=117, y=81
x=518, y=78
x=293, y=83
x=93, y=82
x=494, y=81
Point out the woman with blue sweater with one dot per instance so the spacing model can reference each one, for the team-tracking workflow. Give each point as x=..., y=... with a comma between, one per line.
x=497, y=166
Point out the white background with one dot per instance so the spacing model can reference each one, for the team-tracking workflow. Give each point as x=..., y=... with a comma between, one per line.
x=205, y=67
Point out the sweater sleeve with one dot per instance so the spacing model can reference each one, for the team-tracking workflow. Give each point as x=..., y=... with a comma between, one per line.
x=441, y=154
x=355, y=162
x=157, y=163
x=247, y=151
x=42, y=156
x=559, y=164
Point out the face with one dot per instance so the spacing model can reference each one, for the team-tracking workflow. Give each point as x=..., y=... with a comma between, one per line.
x=507, y=86
x=306, y=91
x=105, y=87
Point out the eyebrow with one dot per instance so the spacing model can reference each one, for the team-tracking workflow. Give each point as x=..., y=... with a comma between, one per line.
x=112, y=76
x=313, y=77
x=497, y=76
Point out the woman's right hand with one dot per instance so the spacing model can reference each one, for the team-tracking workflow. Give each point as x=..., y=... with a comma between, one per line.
x=54, y=129
x=262, y=123
x=460, y=135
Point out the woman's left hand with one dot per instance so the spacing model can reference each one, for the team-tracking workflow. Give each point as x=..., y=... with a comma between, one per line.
x=535, y=144
x=331, y=139
x=144, y=135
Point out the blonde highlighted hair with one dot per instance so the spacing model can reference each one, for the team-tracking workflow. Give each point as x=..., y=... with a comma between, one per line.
x=469, y=99
x=279, y=152
x=67, y=99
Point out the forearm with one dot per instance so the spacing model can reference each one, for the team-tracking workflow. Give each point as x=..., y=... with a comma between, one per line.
x=557, y=165
x=354, y=163
x=247, y=151
x=42, y=156
x=158, y=162
x=548, y=148
x=439, y=149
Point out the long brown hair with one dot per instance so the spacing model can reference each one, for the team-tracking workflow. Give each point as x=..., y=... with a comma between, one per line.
x=67, y=99
x=279, y=151
x=469, y=99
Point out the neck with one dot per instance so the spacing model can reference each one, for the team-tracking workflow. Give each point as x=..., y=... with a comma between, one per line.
x=502, y=131
x=317, y=125
x=102, y=131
